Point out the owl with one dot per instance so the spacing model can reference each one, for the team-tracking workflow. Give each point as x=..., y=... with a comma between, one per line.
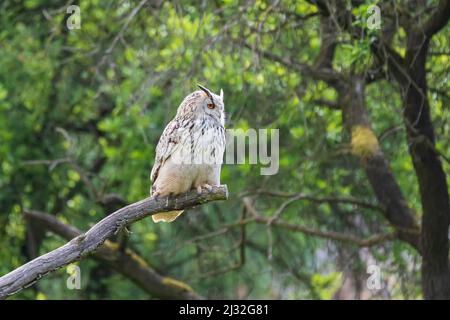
x=190, y=150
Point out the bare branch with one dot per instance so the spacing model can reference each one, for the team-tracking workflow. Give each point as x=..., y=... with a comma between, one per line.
x=330, y=199
x=332, y=235
x=88, y=242
x=128, y=262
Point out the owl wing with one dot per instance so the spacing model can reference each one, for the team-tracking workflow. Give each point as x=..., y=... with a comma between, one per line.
x=167, y=144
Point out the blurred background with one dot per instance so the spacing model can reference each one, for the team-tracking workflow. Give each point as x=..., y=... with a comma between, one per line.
x=82, y=109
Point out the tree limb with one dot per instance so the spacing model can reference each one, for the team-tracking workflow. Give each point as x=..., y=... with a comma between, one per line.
x=127, y=262
x=327, y=199
x=327, y=75
x=375, y=164
x=86, y=243
x=438, y=19
x=331, y=235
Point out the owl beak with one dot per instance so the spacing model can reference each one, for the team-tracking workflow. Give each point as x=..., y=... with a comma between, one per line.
x=208, y=93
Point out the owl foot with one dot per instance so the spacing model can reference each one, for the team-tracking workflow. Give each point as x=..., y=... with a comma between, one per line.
x=156, y=196
x=204, y=186
x=127, y=231
x=207, y=187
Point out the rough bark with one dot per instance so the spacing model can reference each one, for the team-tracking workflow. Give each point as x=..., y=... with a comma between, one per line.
x=431, y=239
x=127, y=262
x=88, y=242
x=410, y=73
x=427, y=164
x=376, y=167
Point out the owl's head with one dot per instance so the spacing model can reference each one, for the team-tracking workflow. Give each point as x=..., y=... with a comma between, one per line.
x=203, y=102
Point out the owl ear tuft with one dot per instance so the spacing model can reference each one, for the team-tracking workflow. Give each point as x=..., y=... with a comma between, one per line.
x=221, y=94
x=205, y=90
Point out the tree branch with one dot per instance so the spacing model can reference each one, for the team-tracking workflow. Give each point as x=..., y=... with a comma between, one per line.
x=327, y=75
x=127, y=262
x=327, y=199
x=438, y=19
x=87, y=243
x=331, y=235
x=365, y=146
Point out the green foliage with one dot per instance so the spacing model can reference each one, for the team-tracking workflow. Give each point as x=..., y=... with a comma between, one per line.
x=101, y=96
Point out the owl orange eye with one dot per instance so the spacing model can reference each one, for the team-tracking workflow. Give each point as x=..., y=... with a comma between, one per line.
x=211, y=106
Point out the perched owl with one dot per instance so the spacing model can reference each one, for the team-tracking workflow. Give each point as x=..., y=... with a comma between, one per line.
x=190, y=150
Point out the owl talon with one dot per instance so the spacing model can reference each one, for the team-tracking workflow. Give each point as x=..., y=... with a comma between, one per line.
x=207, y=187
x=156, y=196
x=204, y=186
x=127, y=231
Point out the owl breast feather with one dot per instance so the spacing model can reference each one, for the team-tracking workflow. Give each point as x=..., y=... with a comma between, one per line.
x=203, y=143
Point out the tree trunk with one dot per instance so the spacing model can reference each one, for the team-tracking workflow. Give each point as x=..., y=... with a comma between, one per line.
x=430, y=174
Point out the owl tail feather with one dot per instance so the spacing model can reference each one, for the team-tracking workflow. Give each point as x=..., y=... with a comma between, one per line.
x=166, y=216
